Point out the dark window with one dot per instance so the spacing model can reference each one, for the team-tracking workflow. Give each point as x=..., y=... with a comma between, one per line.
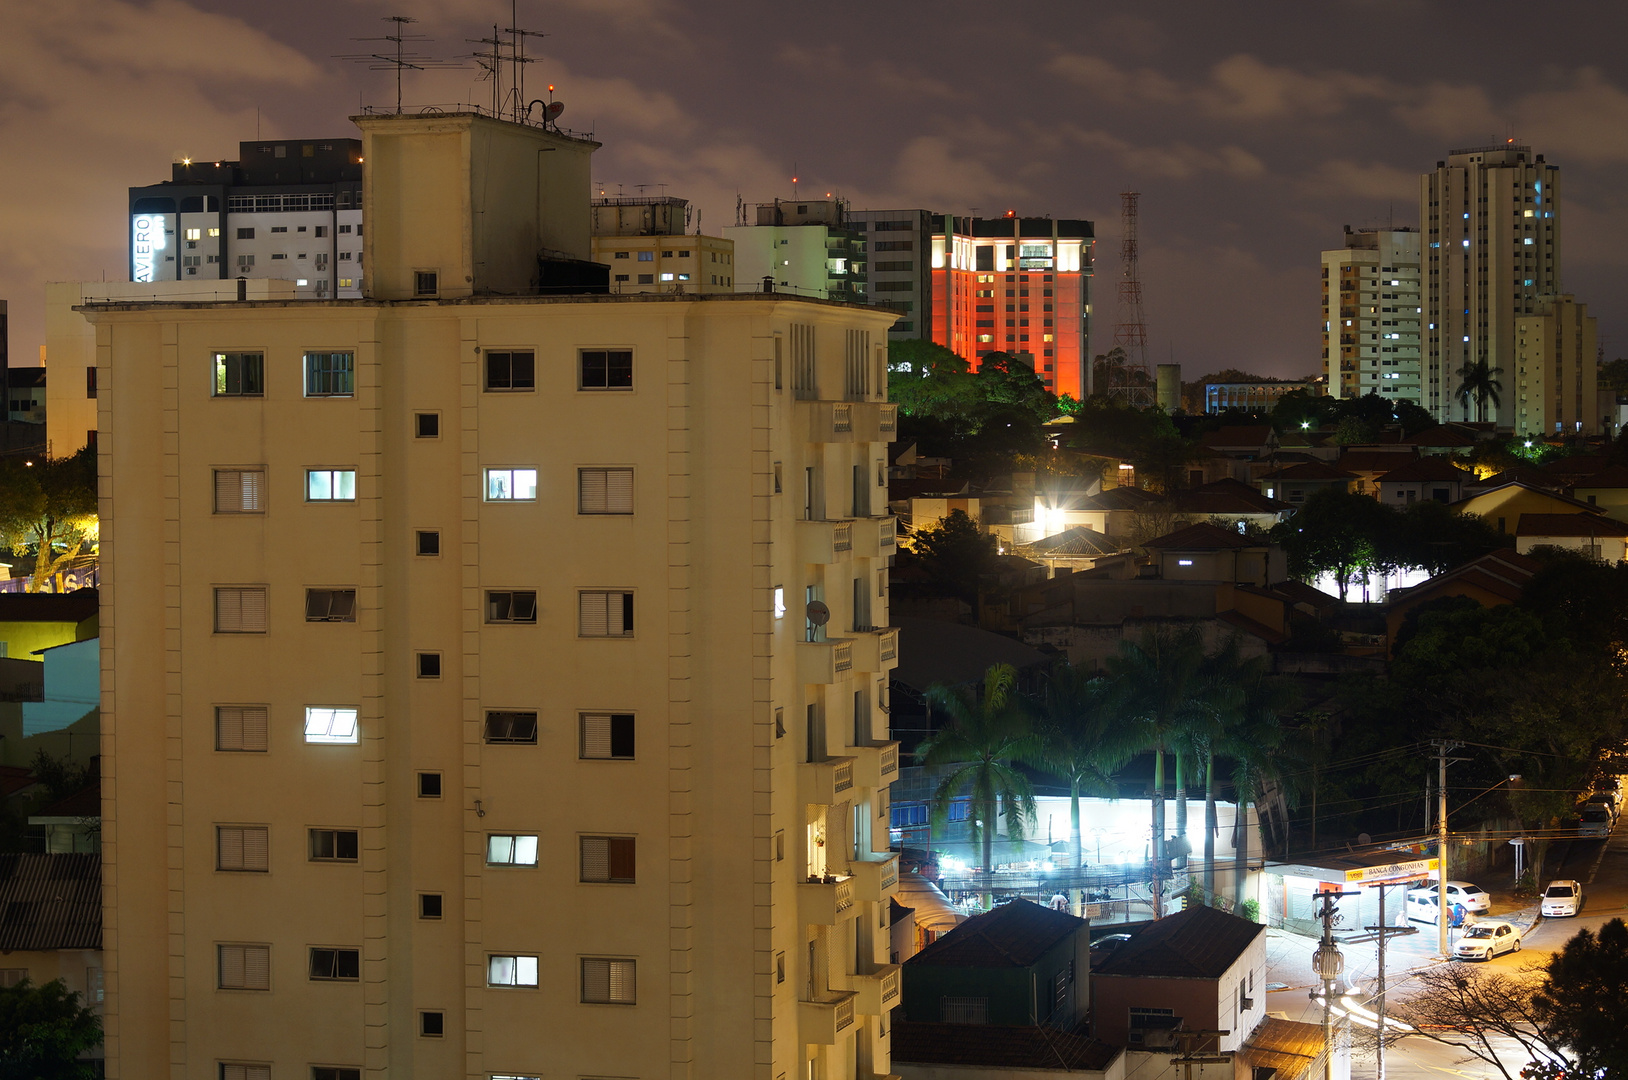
x=90, y=382
x=606, y=736
x=429, y=905
x=239, y=374
x=331, y=1072
x=432, y=1025
x=647, y=279
x=245, y=234
x=330, y=374
x=511, y=371
x=429, y=785
x=333, y=845
x=429, y=542
x=425, y=283
x=607, y=369
x=511, y=607
x=429, y=665
x=427, y=425
x=336, y=964
x=330, y=605
x=503, y=726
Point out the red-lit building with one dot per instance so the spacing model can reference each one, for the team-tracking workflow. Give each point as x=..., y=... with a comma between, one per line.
x=1017, y=285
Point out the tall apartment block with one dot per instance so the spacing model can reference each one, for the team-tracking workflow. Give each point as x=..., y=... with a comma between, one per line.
x=494, y=679
x=803, y=246
x=1017, y=285
x=647, y=243
x=897, y=247
x=1554, y=385
x=1372, y=313
x=1491, y=221
x=287, y=209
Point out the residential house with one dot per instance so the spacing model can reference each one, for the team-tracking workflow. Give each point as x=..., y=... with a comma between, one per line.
x=1423, y=479
x=74, y=823
x=1575, y=469
x=1000, y=1052
x=1234, y=502
x=1203, y=552
x=1075, y=548
x=1606, y=489
x=1296, y=483
x=1503, y=506
x=1242, y=442
x=51, y=922
x=1369, y=464
x=1281, y=1049
x=30, y=622
x=1594, y=535
x=1498, y=577
x=1443, y=439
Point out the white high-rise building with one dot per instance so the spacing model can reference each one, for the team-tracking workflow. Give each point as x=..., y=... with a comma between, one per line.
x=1491, y=221
x=1372, y=311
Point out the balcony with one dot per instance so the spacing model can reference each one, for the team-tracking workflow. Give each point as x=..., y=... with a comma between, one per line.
x=875, y=538
x=826, y=542
x=824, y=662
x=878, y=992
x=822, y=1022
x=887, y=420
x=876, y=765
x=851, y=421
x=825, y=903
x=825, y=782
x=875, y=879
x=876, y=649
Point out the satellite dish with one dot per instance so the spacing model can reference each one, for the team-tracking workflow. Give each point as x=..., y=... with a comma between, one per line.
x=818, y=613
x=552, y=113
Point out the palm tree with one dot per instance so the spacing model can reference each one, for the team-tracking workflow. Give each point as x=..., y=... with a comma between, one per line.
x=1478, y=381
x=1255, y=746
x=1156, y=683
x=1081, y=739
x=986, y=734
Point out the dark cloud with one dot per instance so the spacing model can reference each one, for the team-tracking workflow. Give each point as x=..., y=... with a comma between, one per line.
x=1254, y=131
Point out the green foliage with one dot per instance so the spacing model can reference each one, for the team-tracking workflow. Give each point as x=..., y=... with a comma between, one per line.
x=1250, y=909
x=1614, y=374
x=1578, y=1003
x=1144, y=436
x=1479, y=383
x=48, y=508
x=43, y=1030
x=1336, y=532
x=956, y=554
x=1081, y=739
x=61, y=777
x=927, y=380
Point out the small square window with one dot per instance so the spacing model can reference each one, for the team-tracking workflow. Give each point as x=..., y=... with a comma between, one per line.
x=429, y=905
x=606, y=736
x=429, y=665
x=429, y=785
x=426, y=282
x=330, y=485
x=511, y=485
x=511, y=370
x=334, y=845
x=426, y=425
x=330, y=605
x=335, y=965
x=432, y=1025
x=607, y=369
x=507, y=726
x=511, y=606
x=428, y=542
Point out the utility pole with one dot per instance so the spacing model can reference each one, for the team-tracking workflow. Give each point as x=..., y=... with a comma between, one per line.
x=1187, y=1057
x=1379, y=934
x=1442, y=748
x=1327, y=963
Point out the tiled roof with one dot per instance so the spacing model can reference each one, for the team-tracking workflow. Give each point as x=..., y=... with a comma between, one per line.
x=1444, y=435
x=1428, y=468
x=1569, y=525
x=1199, y=943
x=1301, y=593
x=1077, y=540
x=1288, y=1047
x=1014, y=935
x=1121, y=498
x=1587, y=508
x=1373, y=461
x=1226, y=496
x=1576, y=465
x=1250, y=435
x=1613, y=476
x=76, y=606
x=1201, y=537
x=919, y=489
x=50, y=902
x=1532, y=478
x=998, y=1046
x=1309, y=470
x=1503, y=573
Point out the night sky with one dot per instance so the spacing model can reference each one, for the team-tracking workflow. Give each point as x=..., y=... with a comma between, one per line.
x=1253, y=137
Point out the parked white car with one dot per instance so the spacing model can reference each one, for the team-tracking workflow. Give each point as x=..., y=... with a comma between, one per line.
x=1473, y=897
x=1487, y=939
x=1562, y=898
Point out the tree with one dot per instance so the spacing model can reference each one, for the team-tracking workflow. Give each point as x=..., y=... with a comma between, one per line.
x=1479, y=382
x=48, y=506
x=43, y=1031
x=986, y=735
x=1479, y=1011
x=956, y=553
x=1615, y=375
x=1577, y=1005
x=927, y=380
x=1005, y=380
x=1336, y=532
x=1081, y=739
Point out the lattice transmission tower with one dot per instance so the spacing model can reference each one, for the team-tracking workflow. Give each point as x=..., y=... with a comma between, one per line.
x=1130, y=379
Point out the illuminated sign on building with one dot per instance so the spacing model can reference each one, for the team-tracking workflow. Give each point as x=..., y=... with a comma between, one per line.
x=146, y=241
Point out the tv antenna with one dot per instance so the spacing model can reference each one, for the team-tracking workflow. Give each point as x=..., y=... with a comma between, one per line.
x=403, y=59
x=510, y=51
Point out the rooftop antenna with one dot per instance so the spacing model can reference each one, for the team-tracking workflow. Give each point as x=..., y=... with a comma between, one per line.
x=491, y=65
x=1130, y=382
x=794, y=181
x=518, y=60
x=402, y=59
x=740, y=209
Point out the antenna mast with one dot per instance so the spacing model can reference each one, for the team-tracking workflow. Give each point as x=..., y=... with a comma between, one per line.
x=402, y=60
x=1130, y=381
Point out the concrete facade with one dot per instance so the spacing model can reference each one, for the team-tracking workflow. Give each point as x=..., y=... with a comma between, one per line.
x=1555, y=384
x=1372, y=312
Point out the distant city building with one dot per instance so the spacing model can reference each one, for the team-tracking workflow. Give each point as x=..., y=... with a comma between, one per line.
x=898, y=247
x=1552, y=386
x=648, y=246
x=1372, y=311
x=1167, y=383
x=1259, y=396
x=1491, y=218
x=285, y=209
x=804, y=247
x=25, y=394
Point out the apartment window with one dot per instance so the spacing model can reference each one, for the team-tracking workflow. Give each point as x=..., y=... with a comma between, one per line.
x=245, y=263
x=428, y=542
x=327, y=724
x=430, y=905
x=241, y=847
x=429, y=665
x=506, y=726
x=779, y=967
x=244, y=967
x=240, y=728
x=90, y=382
x=344, y=229
x=620, y=255
x=606, y=736
x=330, y=485
x=432, y=1024
x=779, y=373
x=604, y=614
x=243, y=1071
x=606, y=859
x=427, y=425
x=426, y=282
x=333, y=1072
x=335, y=965
x=511, y=970
x=240, y=374
x=334, y=845
x=281, y=229
x=429, y=785
x=330, y=605
x=803, y=383
x=511, y=371
x=507, y=849
x=321, y=231
x=606, y=369
x=240, y=491
x=608, y=982
x=240, y=610
x=647, y=256
x=245, y=234
x=511, y=606
x=780, y=601
x=511, y=485
x=604, y=491
x=330, y=374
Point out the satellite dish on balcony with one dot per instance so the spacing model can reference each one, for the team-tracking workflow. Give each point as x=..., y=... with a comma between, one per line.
x=818, y=613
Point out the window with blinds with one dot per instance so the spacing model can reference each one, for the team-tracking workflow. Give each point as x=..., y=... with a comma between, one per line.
x=604, y=491
x=240, y=491
x=240, y=610
x=803, y=383
x=241, y=728
x=503, y=726
x=608, y=982
x=606, y=859
x=330, y=605
x=857, y=354
x=245, y=967
x=236, y=1071
x=607, y=736
x=242, y=847
x=604, y=614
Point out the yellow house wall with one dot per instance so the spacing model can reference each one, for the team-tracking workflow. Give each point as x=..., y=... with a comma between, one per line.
x=1510, y=503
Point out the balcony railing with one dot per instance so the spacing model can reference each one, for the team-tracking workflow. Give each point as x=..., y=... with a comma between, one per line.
x=821, y=662
x=825, y=903
x=877, y=992
x=842, y=417
x=843, y=656
x=824, y=782
x=876, y=765
x=842, y=536
x=876, y=649
x=824, y=542
x=822, y=1022
x=888, y=418
x=876, y=878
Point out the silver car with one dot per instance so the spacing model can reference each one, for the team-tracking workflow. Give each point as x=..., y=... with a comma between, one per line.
x=1485, y=940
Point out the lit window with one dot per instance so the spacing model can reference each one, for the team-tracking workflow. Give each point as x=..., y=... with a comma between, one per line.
x=683, y=277
x=511, y=485
x=327, y=724
x=330, y=485
x=608, y=982
x=779, y=601
x=302, y=281
x=511, y=971
x=647, y=256
x=346, y=283
x=197, y=234
x=511, y=850
x=1527, y=242
x=668, y=277
x=214, y=232
x=1184, y=562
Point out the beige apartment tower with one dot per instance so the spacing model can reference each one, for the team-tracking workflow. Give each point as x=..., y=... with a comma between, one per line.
x=1372, y=310
x=493, y=681
x=1491, y=220
x=1555, y=385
